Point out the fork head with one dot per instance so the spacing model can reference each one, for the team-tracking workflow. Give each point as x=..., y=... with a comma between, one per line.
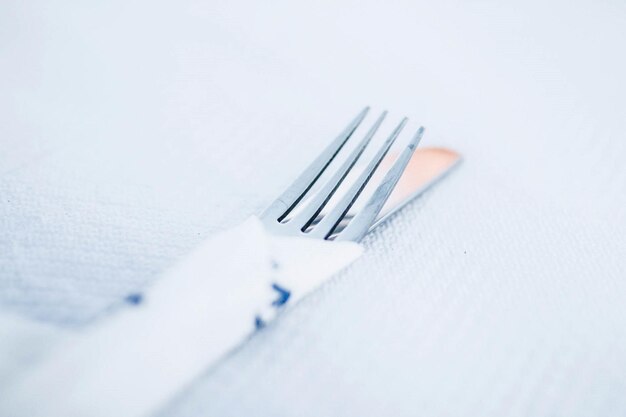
x=275, y=217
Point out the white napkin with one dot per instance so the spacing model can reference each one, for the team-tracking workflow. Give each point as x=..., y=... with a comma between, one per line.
x=132, y=363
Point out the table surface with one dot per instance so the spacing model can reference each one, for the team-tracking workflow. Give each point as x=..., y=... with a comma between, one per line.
x=131, y=131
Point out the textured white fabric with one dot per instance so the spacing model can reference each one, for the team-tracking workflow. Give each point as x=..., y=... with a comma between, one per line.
x=132, y=130
x=133, y=362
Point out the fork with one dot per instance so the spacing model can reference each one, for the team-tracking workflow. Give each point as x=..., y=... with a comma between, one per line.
x=305, y=222
x=201, y=309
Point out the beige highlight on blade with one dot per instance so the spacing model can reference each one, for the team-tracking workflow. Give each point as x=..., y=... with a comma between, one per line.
x=426, y=166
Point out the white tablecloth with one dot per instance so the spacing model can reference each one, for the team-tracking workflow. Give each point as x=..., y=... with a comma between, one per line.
x=130, y=131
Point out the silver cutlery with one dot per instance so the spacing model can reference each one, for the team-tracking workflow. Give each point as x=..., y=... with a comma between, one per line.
x=201, y=308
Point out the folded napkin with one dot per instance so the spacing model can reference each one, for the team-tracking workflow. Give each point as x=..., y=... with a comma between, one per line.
x=130, y=364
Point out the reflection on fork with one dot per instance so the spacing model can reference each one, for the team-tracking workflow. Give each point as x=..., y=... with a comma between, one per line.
x=306, y=222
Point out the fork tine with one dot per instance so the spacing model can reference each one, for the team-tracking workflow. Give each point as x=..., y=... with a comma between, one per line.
x=281, y=207
x=360, y=224
x=304, y=218
x=326, y=226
